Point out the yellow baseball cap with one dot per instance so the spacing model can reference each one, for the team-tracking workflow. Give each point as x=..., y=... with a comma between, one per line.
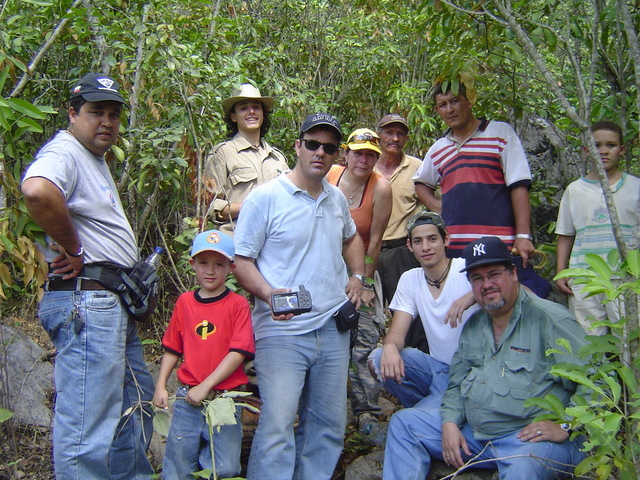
x=363, y=139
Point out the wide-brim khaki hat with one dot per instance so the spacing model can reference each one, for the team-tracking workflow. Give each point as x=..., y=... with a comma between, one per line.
x=246, y=91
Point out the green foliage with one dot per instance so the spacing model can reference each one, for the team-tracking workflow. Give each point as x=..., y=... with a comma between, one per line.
x=358, y=60
x=19, y=257
x=607, y=403
x=5, y=415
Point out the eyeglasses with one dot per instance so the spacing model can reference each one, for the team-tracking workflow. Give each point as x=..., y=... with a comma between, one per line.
x=364, y=138
x=492, y=276
x=313, y=145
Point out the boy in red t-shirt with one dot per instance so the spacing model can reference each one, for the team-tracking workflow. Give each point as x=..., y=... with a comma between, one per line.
x=211, y=330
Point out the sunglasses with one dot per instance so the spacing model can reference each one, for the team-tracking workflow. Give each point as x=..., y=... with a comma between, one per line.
x=364, y=138
x=313, y=145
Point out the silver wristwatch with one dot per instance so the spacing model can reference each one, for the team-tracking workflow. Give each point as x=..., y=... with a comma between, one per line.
x=524, y=235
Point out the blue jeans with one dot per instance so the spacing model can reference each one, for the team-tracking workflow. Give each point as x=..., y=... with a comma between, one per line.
x=99, y=374
x=415, y=435
x=188, y=443
x=424, y=382
x=306, y=374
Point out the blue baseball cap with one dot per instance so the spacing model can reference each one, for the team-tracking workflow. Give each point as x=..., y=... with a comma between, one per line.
x=484, y=251
x=213, y=241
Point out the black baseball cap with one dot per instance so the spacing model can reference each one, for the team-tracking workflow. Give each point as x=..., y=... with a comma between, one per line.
x=316, y=119
x=97, y=87
x=484, y=251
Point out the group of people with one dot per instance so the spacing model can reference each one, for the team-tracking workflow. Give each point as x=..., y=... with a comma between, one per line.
x=466, y=344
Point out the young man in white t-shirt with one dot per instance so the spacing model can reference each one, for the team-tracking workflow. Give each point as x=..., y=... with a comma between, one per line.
x=441, y=296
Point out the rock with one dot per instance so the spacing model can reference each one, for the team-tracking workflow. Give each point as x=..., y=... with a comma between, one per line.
x=369, y=467
x=26, y=381
x=440, y=470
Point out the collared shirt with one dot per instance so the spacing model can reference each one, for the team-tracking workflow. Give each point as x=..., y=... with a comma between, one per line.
x=405, y=200
x=488, y=385
x=296, y=240
x=476, y=177
x=235, y=168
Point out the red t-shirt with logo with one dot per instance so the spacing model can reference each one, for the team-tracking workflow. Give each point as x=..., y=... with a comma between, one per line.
x=204, y=330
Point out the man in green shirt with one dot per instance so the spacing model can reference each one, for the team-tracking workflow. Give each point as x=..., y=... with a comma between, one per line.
x=500, y=362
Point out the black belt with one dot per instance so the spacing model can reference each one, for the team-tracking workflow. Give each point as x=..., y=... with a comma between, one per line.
x=400, y=242
x=73, y=284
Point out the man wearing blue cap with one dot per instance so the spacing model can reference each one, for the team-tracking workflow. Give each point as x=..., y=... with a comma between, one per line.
x=501, y=361
x=100, y=372
x=296, y=230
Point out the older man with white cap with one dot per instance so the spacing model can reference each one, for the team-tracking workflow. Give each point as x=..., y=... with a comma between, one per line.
x=238, y=165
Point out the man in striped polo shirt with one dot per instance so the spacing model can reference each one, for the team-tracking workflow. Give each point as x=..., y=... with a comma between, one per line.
x=484, y=177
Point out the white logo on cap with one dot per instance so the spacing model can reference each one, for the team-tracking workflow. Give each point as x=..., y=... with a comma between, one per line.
x=322, y=116
x=478, y=249
x=213, y=238
x=106, y=83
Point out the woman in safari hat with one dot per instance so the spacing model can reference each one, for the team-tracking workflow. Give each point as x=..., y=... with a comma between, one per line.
x=244, y=161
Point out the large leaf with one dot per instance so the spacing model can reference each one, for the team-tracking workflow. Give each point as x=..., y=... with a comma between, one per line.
x=221, y=411
x=26, y=108
x=5, y=414
x=161, y=421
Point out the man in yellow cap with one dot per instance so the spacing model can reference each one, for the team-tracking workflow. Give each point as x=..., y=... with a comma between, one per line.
x=244, y=161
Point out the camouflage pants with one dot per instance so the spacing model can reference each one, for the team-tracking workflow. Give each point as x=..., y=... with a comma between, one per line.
x=365, y=389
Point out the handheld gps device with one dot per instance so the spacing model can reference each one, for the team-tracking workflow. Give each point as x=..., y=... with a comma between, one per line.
x=293, y=302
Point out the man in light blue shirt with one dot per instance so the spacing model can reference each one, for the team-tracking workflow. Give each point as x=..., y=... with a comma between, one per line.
x=297, y=230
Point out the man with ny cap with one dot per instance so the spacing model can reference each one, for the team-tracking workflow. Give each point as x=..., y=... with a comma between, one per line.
x=501, y=361
x=238, y=165
x=297, y=230
x=399, y=169
x=100, y=372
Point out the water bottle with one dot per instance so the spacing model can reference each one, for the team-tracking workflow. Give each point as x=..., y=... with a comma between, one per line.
x=155, y=259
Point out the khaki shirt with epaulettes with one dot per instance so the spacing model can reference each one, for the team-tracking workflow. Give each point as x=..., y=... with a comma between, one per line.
x=234, y=168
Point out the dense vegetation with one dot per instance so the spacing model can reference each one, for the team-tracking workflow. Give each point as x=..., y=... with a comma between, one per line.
x=570, y=63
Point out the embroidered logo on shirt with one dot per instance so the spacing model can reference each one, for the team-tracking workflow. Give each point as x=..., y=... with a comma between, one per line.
x=520, y=349
x=204, y=329
x=601, y=215
x=107, y=190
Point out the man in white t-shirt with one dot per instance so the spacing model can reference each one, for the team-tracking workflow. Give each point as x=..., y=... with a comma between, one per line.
x=441, y=296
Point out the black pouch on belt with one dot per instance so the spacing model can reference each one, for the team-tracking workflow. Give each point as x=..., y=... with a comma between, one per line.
x=346, y=317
